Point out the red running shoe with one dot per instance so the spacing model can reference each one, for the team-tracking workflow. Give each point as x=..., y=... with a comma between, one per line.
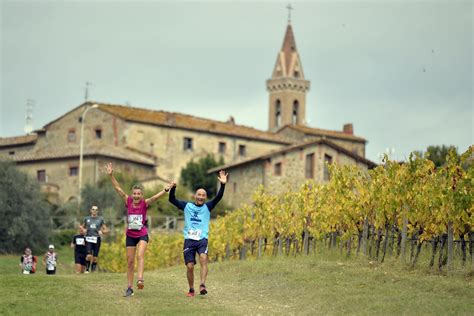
x=190, y=294
x=140, y=284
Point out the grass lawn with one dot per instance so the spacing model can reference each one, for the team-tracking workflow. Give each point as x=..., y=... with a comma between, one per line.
x=291, y=286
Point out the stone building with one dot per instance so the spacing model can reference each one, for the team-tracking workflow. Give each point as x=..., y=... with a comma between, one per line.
x=286, y=169
x=155, y=145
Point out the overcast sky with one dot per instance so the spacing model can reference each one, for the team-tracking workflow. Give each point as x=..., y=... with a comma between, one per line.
x=401, y=72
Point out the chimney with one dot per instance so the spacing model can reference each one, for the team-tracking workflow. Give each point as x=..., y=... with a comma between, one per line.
x=348, y=129
x=231, y=120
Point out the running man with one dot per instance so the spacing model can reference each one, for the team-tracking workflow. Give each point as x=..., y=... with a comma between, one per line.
x=95, y=228
x=136, y=233
x=196, y=230
x=80, y=250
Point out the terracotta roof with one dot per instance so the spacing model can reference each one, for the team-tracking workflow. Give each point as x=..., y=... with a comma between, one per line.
x=18, y=140
x=323, y=132
x=73, y=152
x=178, y=120
x=272, y=153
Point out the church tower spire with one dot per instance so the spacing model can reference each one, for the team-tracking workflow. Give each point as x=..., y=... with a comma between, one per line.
x=287, y=87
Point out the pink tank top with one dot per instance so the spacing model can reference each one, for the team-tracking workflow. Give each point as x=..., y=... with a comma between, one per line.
x=136, y=217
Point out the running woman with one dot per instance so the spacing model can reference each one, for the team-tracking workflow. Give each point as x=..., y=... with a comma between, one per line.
x=28, y=262
x=50, y=260
x=80, y=250
x=136, y=233
x=196, y=230
x=95, y=228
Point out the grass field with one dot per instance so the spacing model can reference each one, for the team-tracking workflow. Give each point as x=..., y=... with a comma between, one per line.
x=291, y=286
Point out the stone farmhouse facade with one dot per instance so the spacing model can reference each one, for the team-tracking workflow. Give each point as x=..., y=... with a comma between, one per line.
x=286, y=169
x=154, y=145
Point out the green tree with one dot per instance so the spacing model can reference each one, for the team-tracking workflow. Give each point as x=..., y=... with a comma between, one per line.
x=25, y=213
x=195, y=174
x=437, y=154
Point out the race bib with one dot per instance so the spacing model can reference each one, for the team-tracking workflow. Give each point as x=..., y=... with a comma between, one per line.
x=80, y=242
x=194, y=234
x=91, y=239
x=50, y=267
x=135, y=222
x=93, y=226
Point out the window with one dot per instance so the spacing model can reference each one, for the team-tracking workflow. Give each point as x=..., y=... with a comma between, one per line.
x=278, y=113
x=73, y=171
x=187, y=144
x=71, y=135
x=277, y=170
x=296, y=74
x=295, y=111
x=309, y=166
x=98, y=133
x=242, y=150
x=11, y=152
x=235, y=187
x=327, y=162
x=222, y=147
x=41, y=175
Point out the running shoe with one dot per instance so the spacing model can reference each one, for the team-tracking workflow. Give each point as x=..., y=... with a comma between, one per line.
x=140, y=284
x=128, y=292
x=190, y=293
x=202, y=289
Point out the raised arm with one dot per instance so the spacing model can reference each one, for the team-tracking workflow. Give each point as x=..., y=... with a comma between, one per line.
x=159, y=194
x=223, y=180
x=179, y=204
x=110, y=171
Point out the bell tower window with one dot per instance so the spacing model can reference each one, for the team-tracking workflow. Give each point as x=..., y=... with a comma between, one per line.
x=295, y=112
x=278, y=113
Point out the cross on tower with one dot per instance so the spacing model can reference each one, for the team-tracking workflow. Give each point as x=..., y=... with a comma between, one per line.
x=289, y=7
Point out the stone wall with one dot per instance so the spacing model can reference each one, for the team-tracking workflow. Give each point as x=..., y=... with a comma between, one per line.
x=168, y=145
x=245, y=179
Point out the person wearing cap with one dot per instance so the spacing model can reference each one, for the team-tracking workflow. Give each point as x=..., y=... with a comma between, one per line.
x=95, y=227
x=50, y=260
x=137, y=233
x=28, y=262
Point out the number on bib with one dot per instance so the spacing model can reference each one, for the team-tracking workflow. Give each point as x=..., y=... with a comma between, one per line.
x=194, y=234
x=135, y=222
x=91, y=239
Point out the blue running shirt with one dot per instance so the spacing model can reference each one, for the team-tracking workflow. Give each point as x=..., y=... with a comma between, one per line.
x=196, y=217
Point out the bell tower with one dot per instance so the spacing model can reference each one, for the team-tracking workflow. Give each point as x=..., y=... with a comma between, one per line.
x=287, y=87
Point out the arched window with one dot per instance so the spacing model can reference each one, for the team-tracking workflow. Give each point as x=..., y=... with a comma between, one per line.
x=295, y=112
x=278, y=113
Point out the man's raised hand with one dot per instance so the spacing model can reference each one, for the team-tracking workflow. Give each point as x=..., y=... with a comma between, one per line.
x=222, y=177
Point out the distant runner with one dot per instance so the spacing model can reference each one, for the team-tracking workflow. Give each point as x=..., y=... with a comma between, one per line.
x=95, y=228
x=80, y=250
x=50, y=260
x=28, y=262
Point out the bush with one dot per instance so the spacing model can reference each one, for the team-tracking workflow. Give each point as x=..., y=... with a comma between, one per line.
x=62, y=237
